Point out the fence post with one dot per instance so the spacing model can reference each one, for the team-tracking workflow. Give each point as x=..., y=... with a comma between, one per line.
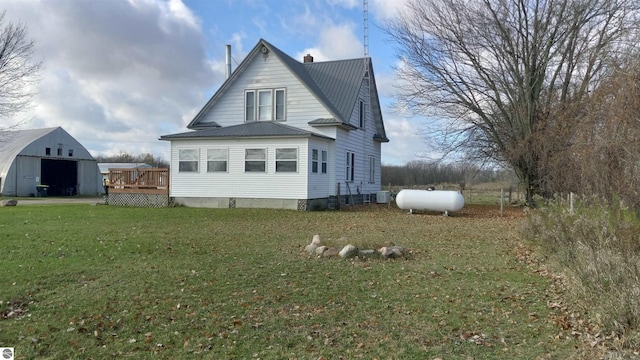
x=501, y=202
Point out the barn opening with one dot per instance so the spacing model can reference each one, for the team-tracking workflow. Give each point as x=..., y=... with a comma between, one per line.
x=60, y=175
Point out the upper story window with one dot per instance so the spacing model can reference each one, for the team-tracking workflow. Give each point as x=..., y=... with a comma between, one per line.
x=188, y=160
x=265, y=105
x=70, y=152
x=361, y=114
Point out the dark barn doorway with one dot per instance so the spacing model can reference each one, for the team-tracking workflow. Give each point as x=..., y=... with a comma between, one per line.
x=60, y=175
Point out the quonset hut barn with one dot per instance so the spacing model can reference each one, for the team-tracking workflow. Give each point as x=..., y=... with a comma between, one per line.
x=47, y=161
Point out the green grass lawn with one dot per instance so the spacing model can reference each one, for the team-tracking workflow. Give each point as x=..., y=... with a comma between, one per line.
x=102, y=282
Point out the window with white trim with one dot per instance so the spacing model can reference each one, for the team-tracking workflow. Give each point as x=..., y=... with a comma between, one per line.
x=265, y=105
x=217, y=160
x=250, y=106
x=314, y=160
x=351, y=161
x=287, y=160
x=255, y=160
x=280, y=105
x=188, y=160
x=324, y=161
x=372, y=169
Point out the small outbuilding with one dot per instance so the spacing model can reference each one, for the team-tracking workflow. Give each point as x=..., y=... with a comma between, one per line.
x=48, y=161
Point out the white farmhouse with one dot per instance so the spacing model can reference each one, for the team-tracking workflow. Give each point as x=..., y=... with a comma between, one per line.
x=280, y=133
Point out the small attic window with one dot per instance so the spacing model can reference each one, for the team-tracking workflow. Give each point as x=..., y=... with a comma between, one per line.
x=47, y=151
x=70, y=152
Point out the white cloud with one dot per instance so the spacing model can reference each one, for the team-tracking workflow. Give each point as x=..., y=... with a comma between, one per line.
x=119, y=73
x=385, y=9
x=335, y=42
x=406, y=142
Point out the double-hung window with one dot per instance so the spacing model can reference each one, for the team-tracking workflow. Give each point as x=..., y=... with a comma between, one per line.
x=250, y=106
x=324, y=161
x=351, y=160
x=188, y=160
x=217, y=160
x=372, y=169
x=265, y=105
x=314, y=160
x=287, y=160
x=255, y=160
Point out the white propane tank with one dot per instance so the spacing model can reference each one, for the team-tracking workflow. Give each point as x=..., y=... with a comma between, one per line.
x=432, y=200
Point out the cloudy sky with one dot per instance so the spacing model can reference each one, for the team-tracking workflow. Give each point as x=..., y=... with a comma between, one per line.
x=118, y=74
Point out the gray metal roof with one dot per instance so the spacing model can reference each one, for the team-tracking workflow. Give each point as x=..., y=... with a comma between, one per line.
x=16, y=142
x=336, y=84
x=246, y=130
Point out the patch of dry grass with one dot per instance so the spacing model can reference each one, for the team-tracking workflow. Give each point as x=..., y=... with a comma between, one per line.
x=101, y=281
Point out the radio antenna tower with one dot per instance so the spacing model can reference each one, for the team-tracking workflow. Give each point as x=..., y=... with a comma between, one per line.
x=365, y=31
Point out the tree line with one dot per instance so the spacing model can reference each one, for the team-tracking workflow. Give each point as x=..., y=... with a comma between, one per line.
x=124, y=157
x=419, y=172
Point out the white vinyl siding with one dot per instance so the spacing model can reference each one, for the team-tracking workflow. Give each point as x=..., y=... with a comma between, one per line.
x=188, y=160
x=240, y=184
x=300, y=105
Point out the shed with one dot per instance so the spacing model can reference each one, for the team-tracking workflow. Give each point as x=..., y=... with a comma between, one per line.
x=46, y=161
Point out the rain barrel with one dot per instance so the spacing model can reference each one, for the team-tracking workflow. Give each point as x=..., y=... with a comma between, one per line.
x=432, y=200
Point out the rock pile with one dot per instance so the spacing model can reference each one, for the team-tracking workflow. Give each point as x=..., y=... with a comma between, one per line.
x=350, y=251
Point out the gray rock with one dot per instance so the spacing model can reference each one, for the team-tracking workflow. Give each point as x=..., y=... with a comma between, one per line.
x=311, y=248
x=348, y=251
x=316, y=240
x=321, y=249
x=330, y=252
x=11, y=202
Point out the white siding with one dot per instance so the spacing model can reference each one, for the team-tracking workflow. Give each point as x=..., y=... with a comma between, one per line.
x=360, y=142
x=269, y=73
x=320, y=185
x=236, y=182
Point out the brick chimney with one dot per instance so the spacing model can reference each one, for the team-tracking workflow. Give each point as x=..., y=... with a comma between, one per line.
x=308, y=58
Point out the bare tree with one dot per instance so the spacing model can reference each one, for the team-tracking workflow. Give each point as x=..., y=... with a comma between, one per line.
x=499, y=72
x=18, y=71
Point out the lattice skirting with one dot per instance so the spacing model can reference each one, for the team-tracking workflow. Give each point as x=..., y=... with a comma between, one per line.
x=138, y=200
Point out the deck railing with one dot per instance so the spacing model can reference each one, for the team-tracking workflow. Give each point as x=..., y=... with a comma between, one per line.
x=139, y=181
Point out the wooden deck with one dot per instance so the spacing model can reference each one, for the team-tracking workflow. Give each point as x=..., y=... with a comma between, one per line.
x=139, y=181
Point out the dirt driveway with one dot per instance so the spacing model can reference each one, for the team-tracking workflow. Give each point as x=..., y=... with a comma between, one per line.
x=60, y=200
